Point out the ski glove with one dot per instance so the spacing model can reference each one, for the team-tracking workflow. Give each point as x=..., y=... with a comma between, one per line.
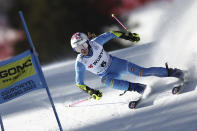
x=96, y=94
x=134, y=37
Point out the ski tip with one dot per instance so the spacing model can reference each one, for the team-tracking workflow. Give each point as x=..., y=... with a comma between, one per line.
x=178, y=89
x=132, y=104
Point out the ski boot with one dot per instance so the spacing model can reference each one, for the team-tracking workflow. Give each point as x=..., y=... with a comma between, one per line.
x=142, y=89
x=176, y=73
x=181, y=75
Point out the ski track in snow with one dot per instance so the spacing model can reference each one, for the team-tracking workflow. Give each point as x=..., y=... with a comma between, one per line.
x=175, y=44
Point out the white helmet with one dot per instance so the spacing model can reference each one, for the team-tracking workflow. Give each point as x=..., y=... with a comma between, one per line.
x=79, y=41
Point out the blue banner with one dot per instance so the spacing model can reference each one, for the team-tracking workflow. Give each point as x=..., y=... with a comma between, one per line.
x=19, y=75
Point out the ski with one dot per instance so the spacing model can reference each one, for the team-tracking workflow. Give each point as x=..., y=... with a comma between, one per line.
x=178, y=89
x=133, y=104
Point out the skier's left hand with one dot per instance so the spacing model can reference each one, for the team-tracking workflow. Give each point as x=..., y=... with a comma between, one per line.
x=96, y=94
x=134, y=37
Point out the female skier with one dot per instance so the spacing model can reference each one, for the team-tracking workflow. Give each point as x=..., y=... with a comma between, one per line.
x=92, y=57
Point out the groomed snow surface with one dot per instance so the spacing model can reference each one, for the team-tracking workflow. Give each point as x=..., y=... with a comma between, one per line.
x=171, y=37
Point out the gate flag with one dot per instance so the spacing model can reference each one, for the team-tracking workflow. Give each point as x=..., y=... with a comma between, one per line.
x=18, y=76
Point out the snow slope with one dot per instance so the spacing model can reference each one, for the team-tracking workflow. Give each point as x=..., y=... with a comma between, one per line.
x=175, y=44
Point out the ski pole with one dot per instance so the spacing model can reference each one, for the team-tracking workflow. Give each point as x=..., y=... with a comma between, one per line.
x=119, y=22
x=80, y=101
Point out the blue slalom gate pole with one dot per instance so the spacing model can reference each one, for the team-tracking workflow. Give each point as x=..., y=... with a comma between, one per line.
x=39, y=68
x=2, y=127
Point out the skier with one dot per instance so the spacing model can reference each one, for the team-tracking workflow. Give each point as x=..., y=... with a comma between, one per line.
x=92, y=57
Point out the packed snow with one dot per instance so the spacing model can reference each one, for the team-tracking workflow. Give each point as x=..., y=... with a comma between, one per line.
x=168, y=35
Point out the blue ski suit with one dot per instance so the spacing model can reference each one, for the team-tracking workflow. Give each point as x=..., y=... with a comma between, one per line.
x=111, y=76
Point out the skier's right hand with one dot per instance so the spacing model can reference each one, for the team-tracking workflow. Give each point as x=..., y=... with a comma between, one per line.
x=96, y=94
x=134, y=37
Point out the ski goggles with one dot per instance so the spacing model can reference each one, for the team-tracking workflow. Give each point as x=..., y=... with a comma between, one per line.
x=82, y=46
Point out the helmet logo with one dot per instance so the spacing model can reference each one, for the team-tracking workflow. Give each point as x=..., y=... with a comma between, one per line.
x=77, y=36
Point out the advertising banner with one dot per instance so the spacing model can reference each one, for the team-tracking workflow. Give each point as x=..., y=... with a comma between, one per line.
x=18, y=75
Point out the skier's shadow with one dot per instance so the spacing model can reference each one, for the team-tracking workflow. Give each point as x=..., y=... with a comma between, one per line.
x=161, y=87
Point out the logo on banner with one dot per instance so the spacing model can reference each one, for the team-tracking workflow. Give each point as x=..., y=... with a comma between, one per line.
x=16, y=71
